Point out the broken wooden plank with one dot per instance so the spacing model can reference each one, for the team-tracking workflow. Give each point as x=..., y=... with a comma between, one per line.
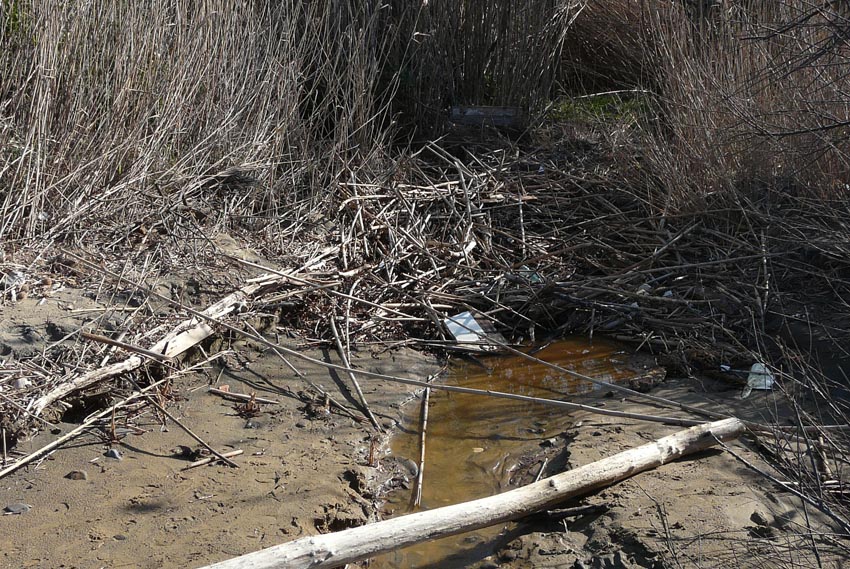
x=185, y=335
x=351, y=545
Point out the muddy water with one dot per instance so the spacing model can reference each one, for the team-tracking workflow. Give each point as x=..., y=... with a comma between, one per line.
x=476, y=445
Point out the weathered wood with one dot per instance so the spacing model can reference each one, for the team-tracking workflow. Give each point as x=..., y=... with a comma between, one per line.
x=85, y=380
x=184, y=336
x=210, y=459
x=348, y=546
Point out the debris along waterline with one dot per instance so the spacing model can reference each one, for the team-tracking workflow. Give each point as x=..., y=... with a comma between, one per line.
x=480, y=446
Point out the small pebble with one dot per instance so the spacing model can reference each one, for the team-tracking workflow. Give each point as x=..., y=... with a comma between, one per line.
x=301, y=424
x=410, y=466
x=77, y=475
x=16, y=509
x=183, y=451
x=113, y=453
x=119, y=537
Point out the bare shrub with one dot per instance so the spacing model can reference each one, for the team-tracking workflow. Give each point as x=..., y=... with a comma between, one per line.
x=747, y=96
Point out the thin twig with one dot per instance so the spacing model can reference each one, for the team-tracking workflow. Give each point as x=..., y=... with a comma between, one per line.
x=210, y=459
x=189, y=432
x=241, y=396
x=70, y=435
x=124, y=346
x=366, y=410
x=542, y=468
x=417, y=500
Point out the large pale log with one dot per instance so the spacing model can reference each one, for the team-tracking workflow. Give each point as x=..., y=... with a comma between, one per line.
x=348, y=546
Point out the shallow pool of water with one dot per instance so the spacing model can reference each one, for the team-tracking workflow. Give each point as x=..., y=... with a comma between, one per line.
x=476, y=444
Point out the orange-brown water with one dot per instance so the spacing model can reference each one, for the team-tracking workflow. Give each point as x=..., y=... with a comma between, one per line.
x=474, y=443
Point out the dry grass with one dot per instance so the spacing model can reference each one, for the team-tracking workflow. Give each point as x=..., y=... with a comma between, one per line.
x=115, y=114
x=111, y=116
x=745, y=97
x=679, y=226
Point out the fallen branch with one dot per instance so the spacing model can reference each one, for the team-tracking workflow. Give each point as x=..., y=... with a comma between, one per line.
x=71, y=434
x=341, y=349
x=184, y=336
x=85, y=380
x=351, y=545
x=210, y=459
x=417, y=500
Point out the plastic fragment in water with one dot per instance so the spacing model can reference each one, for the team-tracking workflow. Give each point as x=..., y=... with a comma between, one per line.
x=473, y=334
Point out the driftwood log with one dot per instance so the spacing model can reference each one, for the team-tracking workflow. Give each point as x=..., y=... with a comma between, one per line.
x=348, y=546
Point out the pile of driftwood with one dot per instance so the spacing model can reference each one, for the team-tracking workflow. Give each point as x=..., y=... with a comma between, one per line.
x=540, y=245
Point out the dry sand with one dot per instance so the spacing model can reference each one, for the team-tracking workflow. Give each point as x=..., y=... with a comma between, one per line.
x=303, y=471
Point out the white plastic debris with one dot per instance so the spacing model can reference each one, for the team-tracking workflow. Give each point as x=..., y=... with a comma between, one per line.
x=759, y=378
x=13, y=279
x=473, y=335
x=17, y=508
x=465, y=328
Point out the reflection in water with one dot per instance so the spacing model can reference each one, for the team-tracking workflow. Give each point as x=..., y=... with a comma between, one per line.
x=474, y=443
